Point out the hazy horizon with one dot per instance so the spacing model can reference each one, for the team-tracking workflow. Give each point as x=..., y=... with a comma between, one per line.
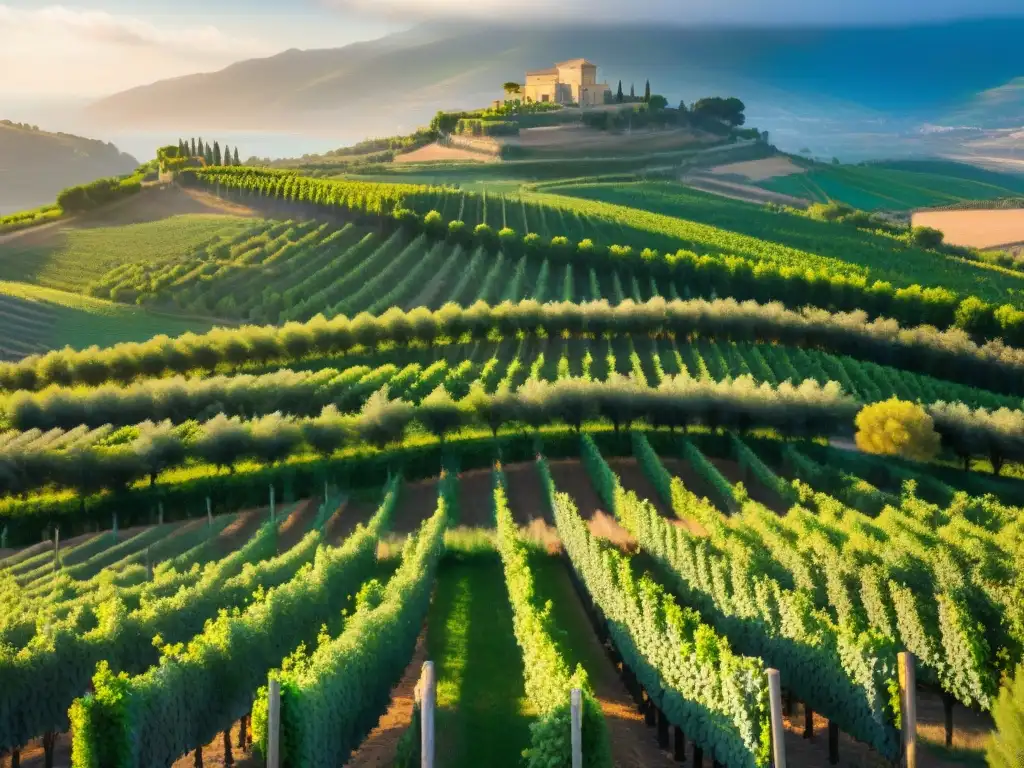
x=106, y=46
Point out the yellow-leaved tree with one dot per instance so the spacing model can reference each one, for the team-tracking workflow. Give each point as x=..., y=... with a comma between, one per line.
x=897, y=428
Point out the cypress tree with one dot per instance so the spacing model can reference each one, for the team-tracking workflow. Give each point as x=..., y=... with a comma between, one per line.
x=632, y=91
x=236, y=156
x=647, y=92
x=201, y=149
x=618, y=95
x=193, y=153
x=216, y=153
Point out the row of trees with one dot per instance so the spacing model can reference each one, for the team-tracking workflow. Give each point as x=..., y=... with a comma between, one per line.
x=211, y=154
x=950, y=355
x=708, y=274
x=152, y=448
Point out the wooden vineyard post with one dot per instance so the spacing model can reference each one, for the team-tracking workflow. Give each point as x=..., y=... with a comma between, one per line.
x=429, y=699
x=833, y=742
x=115, y=524
x=273, y=516
x=576, y=721
x=326, y=495
x=274, y=724
x=947, y=706
x=56, y=548
x=160, y=513
x=209, y=511
x=149, y=564
x=3, y=537
x=808, y=722
x=908, y=704
x=778, y=729
x=679, y=745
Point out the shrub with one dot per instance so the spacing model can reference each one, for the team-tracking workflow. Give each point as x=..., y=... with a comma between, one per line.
x=897, y=428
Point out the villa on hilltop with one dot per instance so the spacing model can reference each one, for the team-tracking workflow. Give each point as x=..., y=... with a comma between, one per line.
x=571, y=82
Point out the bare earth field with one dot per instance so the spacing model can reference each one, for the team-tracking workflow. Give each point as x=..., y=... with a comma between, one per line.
x=978, y=229
x=759, y=170
x=436, y=153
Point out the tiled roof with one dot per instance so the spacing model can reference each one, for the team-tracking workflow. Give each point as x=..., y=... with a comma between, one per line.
x=576, y=63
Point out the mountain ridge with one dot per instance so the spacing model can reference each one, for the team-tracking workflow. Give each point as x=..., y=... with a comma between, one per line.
x=784, y=75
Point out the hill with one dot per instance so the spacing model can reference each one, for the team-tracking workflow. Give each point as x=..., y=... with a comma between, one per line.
x=784, y=75
x=35, y=165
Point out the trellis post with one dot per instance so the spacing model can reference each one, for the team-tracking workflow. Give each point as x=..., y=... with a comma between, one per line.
x=209, y=511
x=56, y=548
x=274, y=724
x=908, y=704
x=273, y=516
x=429, y=698
x=576, y=720
x=778, y=729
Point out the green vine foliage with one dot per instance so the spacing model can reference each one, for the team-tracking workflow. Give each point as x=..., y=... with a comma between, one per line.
x=332, y=697
x=843, y=673
x=548, y=680
x=61, y=659
x=718, y=698
x=197, y=690
x=1006, y=747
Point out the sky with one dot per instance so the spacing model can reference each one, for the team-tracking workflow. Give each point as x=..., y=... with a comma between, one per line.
x=91, y=48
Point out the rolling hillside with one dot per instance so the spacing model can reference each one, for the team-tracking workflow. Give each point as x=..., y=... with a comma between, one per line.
x=784, y=75
x=35, y=165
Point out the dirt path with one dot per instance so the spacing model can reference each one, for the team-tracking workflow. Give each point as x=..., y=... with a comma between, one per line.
x=239, y=532
x=744, y=192
x=416, y=502
x=475, y=498
x=296, y=525
x=378, y=749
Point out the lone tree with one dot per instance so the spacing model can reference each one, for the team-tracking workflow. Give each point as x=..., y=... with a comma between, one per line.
x=728, y=111
x=512, y=89
x=618, y=95
x=236, y=162
x=1006, y=747
x=647, y=92
x=897, y=428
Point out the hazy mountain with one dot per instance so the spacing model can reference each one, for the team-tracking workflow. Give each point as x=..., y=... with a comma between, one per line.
x=809, y=84
x=35, y=165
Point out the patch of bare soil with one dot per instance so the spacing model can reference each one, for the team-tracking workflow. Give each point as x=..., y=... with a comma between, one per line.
x=977, y=228
x=738, y=191
x=475, y=498
x=378, y=749
x=345, y=519
x=416, y=503
x=634, y=479
x=526, y=497
x=296, y=525
x=435, y=153
x=760, y=170
x=571, y=477
x=239, y=532
x=971, y=729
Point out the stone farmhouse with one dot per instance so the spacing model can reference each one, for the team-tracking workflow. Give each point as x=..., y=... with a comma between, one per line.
x=571, y=82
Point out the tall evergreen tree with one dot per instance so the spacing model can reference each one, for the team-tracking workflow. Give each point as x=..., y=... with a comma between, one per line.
x=201, y=147
x=618, y=95
x=216, y=153
x=236, y=156
x=193, y=153
x=647, y=92
x=632, y=91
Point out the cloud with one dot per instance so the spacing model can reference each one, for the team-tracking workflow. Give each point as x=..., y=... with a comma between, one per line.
x=55, y=49
x=685, y=11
